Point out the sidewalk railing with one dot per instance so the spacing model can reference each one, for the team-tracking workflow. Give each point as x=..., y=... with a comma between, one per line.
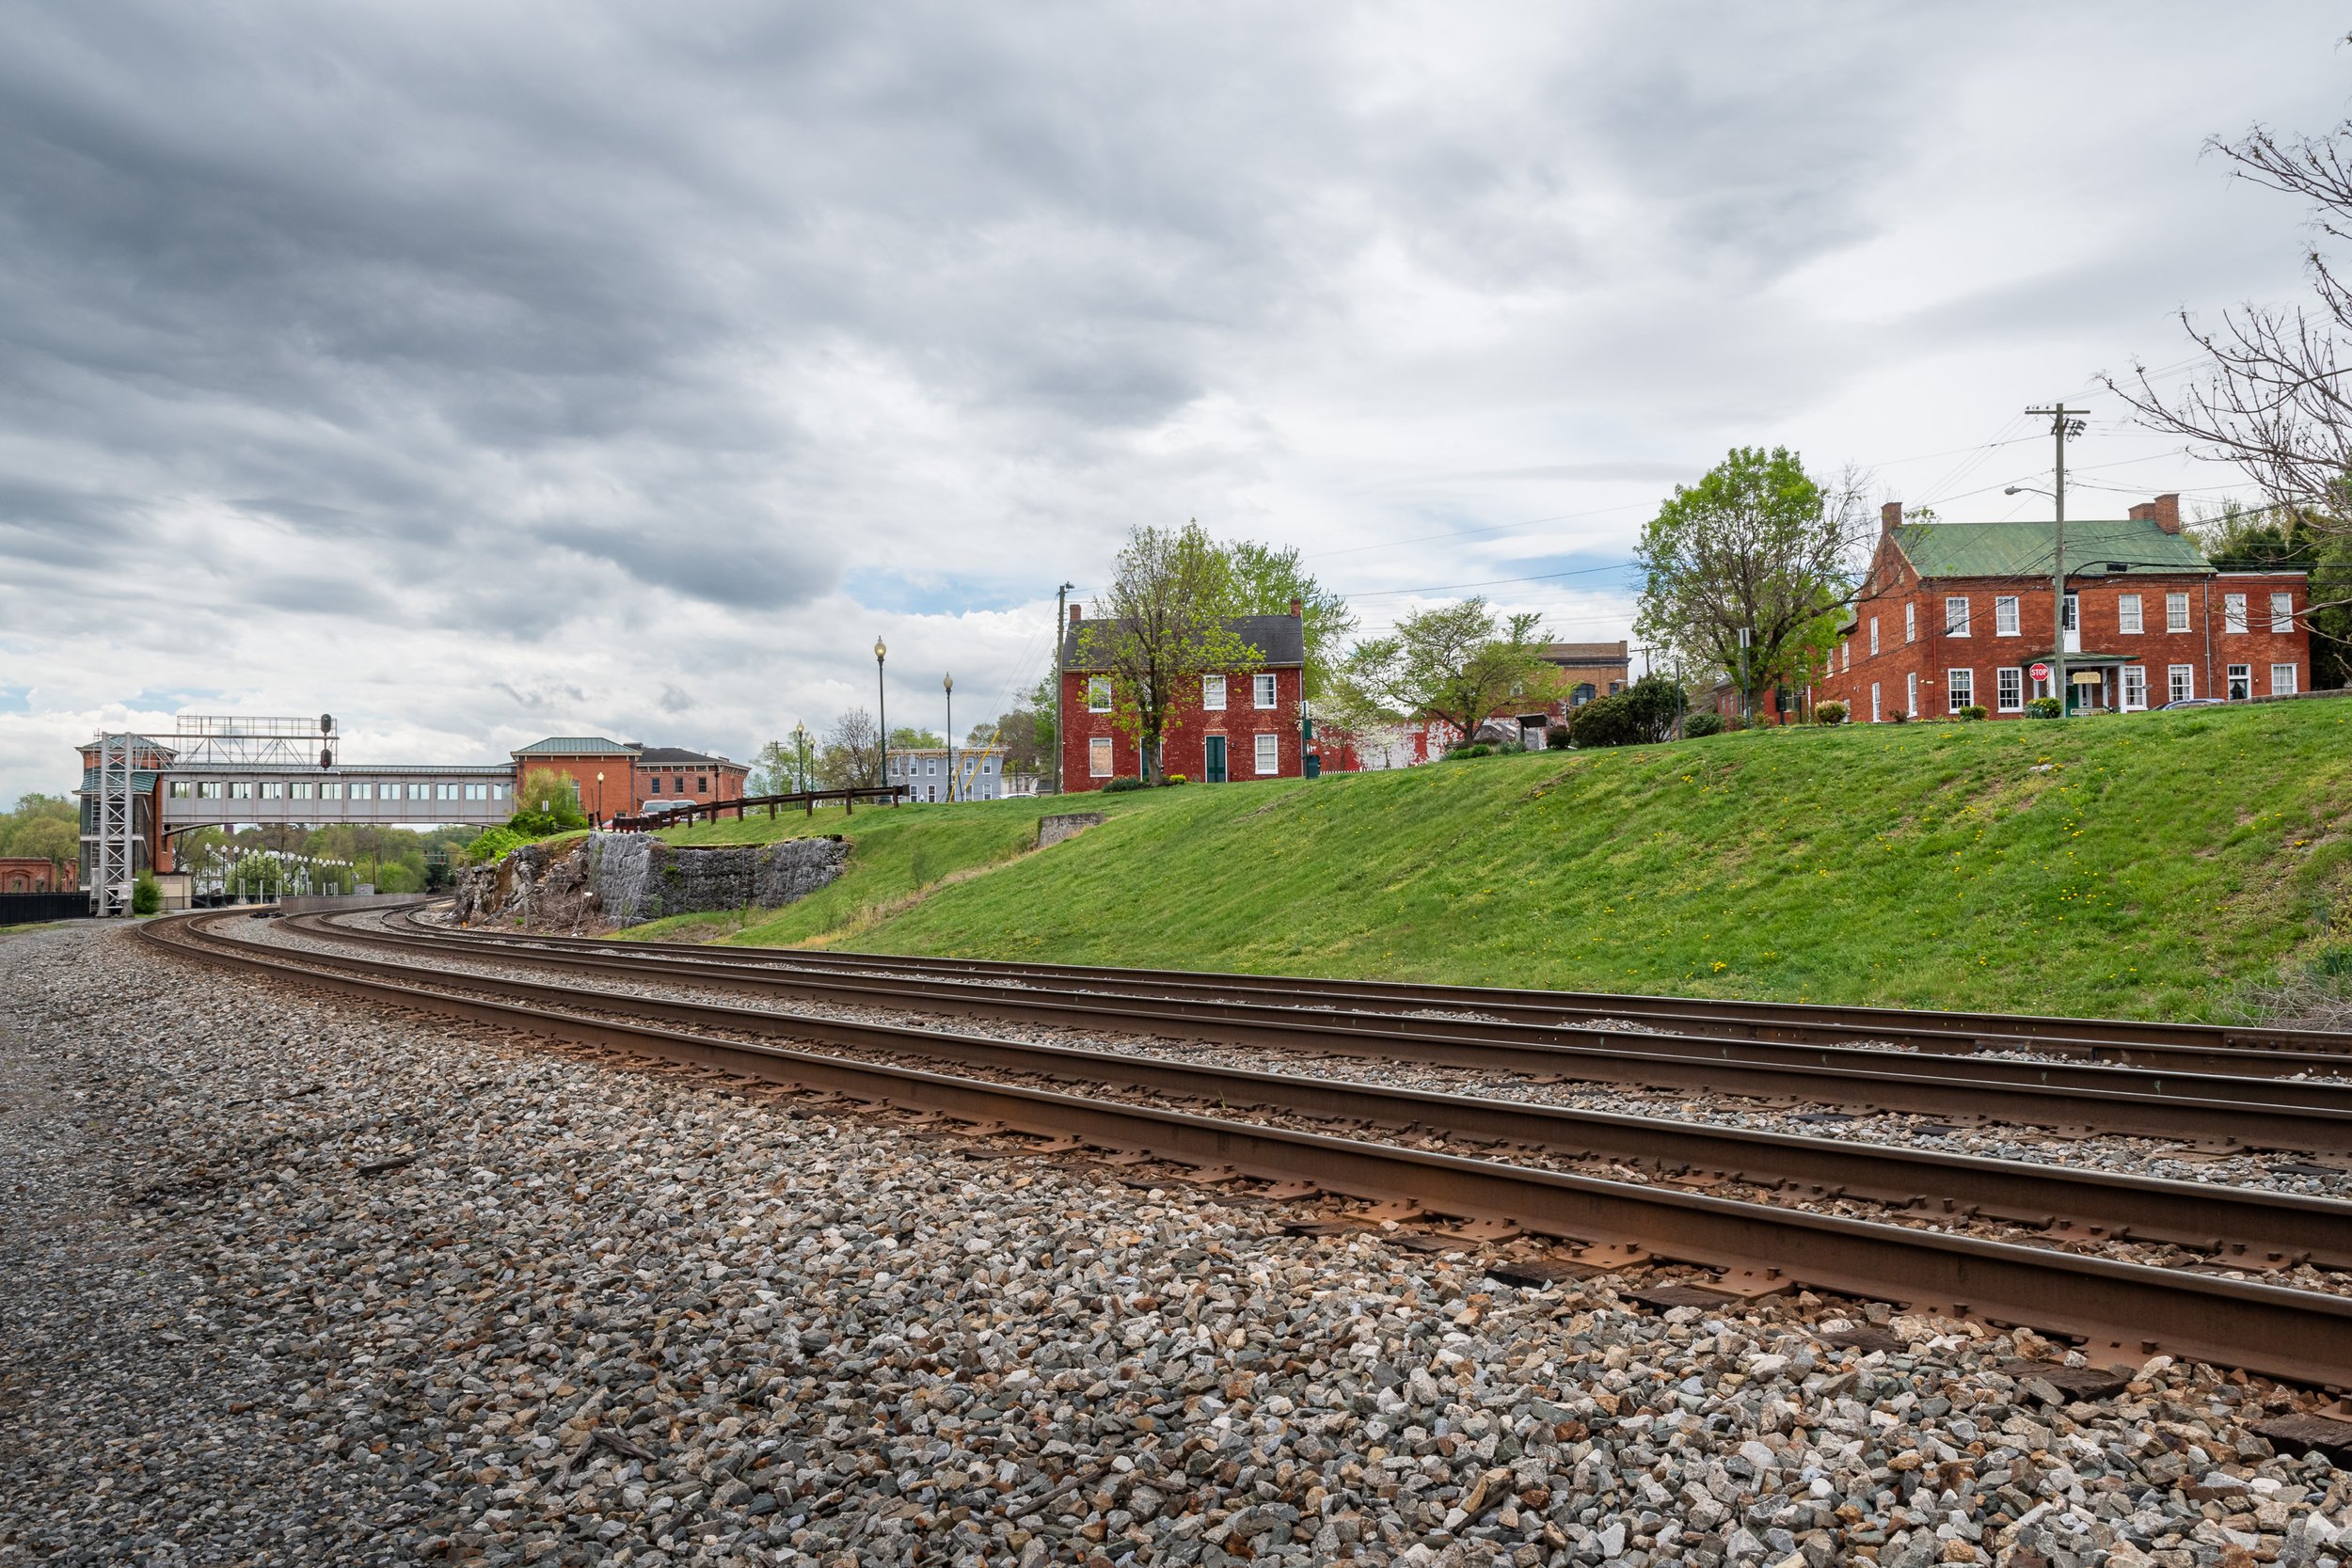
x=712, y=810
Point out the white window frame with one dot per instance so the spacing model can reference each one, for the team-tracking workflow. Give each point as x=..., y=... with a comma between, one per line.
x=273, y=789
x=2073, y=621
x=2005, y=615
x=1264, y=692
x=1846, y=647
x=363, y=789
x=1911, y=693
x=208, y=789
x=183, y=789
x=2234, y=614
x=1099, y=757
x=2180, y=683
x=2127, y=618
x=1955, y=616
x=301, y=790
x=2240, y=672
x=497, y=792
x=2009, y=689
x=424, y=791
x=1877, y=715
x=1874, y=636
x=241, y=789
x=2290, y=686
x=1212, y=693
x=2176, y=612
x=449, y=791
x=1960, y=689
x=331, y=790
x=2135, y=687
x=1267, y=755
x=2283, y=612
x=477, y=792
x=1911, y=621
x=1098, y=693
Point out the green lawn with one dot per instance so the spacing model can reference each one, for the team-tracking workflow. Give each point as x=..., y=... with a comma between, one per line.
x=2141, y=865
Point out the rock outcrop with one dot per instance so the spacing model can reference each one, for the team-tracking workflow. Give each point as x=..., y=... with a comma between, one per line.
x=607, y=880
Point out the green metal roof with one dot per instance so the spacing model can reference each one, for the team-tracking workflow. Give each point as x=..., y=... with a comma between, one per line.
x=575, y=746
x=2025, y=549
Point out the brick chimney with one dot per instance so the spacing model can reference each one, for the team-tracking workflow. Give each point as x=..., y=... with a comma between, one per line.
x=1890, y=517
x=1073, y=614
x=2167, y=509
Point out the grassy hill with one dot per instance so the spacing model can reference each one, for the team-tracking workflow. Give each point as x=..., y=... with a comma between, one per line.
x=2145, y=865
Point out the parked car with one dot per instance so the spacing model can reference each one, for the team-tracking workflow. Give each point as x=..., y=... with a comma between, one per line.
x=2193, y=701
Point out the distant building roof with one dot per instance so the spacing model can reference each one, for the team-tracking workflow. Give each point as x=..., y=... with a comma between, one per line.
x=575, y=746
x=2025, y=549
x=1583, y=652
x=1280, y=640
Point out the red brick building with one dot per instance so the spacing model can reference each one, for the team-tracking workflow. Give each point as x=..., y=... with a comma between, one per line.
x=35, y=874
x=1240, y=724
x=1955, y=614
x=614, y=777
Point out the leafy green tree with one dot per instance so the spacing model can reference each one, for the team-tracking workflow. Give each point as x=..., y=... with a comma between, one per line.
x=906, y=737
x=1456, y=664
x=1160, y=627
x=1266, y=579
x=2237, y=539
x=1757, y=545
x=548, y=803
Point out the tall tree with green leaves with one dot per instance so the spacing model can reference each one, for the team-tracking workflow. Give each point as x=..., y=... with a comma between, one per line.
x=1266, y=578
x=1160, y=627
x=1456, y=664
x=1757, y=546
x=2238, y=538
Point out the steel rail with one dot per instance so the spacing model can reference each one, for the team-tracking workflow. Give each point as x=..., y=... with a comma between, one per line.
x=2274, y=1226
x=2123, y=1042
x=2136, y=1309
x=2267, y=1113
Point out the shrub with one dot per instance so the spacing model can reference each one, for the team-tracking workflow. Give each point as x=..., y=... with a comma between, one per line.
x=1700, y=726
x=1475, y=748
x=1556, y=737
x=1119, y=786
x=491, y=845
x=1174, y=779
x=1973, y=712
x=1643, y=713
x=1830, y=713
x=146, y=895
x=1898, y=716
x=2045, y=707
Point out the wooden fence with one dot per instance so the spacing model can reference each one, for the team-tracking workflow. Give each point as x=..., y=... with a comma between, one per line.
x=712, y=810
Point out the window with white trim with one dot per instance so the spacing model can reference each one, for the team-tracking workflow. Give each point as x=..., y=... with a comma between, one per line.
x=1911, y=693
x=2005, y=615
x=1099, y=757
x=2241, y=682
x=2283, y=613
x=1269, y=754
x=424, y=791
x=2009, y=689
x=208, y=789
x=1874, y=634
x=1911, y=623
x=1263, y=690
x=273, y=790
x=363, y=789
x=497, y=792
x=331, y=790
x=2282, y=680
x=2181, y=680
x=240, y=789
x=1098, y=695
x=2176, y=612
x=1960, y=688
x=1956, y=615
x=2233, y=613
x=1212, y=693
x=1846, y=648
x=300, y=789
x=183, y=789
x=2127, y=615
x=2135, y=687
x=1875, y=712
x=477, y=792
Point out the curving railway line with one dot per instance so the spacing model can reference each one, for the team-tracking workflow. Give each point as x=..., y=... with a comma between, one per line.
x=1349, y=1137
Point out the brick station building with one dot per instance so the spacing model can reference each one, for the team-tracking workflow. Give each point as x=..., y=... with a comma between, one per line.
x=624, y=776
x=1957, y=614
x=1239, y=724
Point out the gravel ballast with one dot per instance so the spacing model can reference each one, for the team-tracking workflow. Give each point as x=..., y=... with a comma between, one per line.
x=293, y=1280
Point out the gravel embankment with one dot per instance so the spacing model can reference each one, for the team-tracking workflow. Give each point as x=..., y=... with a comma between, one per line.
x=286, y=1281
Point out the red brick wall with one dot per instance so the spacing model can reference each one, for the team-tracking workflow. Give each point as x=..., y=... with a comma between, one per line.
x=1189, y=725
x=627, y=786
x=2208, y=647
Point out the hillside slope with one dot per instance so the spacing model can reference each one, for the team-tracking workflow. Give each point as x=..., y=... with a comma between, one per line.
x=2144, y=865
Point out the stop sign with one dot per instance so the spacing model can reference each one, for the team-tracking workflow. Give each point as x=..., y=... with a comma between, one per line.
x=2039, y=672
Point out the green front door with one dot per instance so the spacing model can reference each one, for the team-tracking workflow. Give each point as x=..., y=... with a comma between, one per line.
x=1212, y=759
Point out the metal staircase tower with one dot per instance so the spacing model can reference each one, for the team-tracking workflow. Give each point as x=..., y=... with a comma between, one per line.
x=114, y=866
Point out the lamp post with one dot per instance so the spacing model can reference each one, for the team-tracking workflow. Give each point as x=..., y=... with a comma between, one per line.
x=947, y=683
x=799, y=741
x=881, y=716
x=599, y=796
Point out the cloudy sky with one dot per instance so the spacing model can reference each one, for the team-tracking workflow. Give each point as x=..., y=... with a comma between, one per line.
x=479, y=372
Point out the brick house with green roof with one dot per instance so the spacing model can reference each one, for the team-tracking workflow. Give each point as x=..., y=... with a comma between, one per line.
x=1957, y=614
x=617, y=777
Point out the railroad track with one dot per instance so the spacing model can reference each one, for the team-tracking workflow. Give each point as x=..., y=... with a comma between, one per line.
x=2221, y=1110
x=2123, y=1309
x=2191, y=1046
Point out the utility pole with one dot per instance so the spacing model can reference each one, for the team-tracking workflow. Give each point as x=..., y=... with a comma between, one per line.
x=1061, y=630
x=2064, y=421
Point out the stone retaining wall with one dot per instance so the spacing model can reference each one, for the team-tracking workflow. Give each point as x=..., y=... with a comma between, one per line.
x=611, y=879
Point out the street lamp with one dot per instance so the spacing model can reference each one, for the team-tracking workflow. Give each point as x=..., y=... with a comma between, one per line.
x=947, y=683
x=799, y=740
x=882, y=715
x=599, y=794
